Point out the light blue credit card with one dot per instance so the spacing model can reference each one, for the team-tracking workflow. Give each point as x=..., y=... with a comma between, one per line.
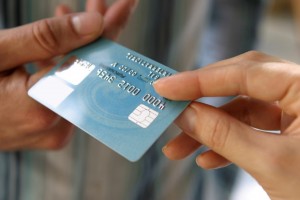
x=106, y=90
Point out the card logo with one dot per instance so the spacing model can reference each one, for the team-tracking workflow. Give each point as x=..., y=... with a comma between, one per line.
x=75, y=70
x=143, y=116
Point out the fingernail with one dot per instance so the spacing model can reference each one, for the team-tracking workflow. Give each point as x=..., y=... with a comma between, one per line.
x=187, y=120
x=162, y=81
x=87, y=23
x=198, y=161
x=159, y=81
x=164, y=149
x=167, y=78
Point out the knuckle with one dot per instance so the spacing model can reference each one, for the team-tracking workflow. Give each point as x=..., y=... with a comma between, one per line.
x=57, y=141
x=219, y=134
x=40, y=120
x=289, y=100
x=256, y=56
x=244, y=114
x=55, y=144
x=45, y=36
x=252, y=54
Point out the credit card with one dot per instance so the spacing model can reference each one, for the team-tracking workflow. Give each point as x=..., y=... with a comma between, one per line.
x=106, y=90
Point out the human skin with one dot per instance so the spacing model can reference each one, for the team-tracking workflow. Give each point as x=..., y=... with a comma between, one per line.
x=25, y=124
x=268, y=98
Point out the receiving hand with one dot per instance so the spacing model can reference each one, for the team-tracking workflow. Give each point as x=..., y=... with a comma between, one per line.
x=269, y=99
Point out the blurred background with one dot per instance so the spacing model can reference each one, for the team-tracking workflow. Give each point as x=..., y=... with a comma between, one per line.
x=278, y=35
x=279, y=29
x=181, y=34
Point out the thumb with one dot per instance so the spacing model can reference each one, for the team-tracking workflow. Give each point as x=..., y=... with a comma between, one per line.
x=48, y=38
x=227, y=136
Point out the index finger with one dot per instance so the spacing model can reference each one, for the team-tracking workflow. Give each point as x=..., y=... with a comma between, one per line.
x=252, y=74
x=48, y=38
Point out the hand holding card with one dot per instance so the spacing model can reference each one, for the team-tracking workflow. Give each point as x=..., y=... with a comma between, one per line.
x=106, y=90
